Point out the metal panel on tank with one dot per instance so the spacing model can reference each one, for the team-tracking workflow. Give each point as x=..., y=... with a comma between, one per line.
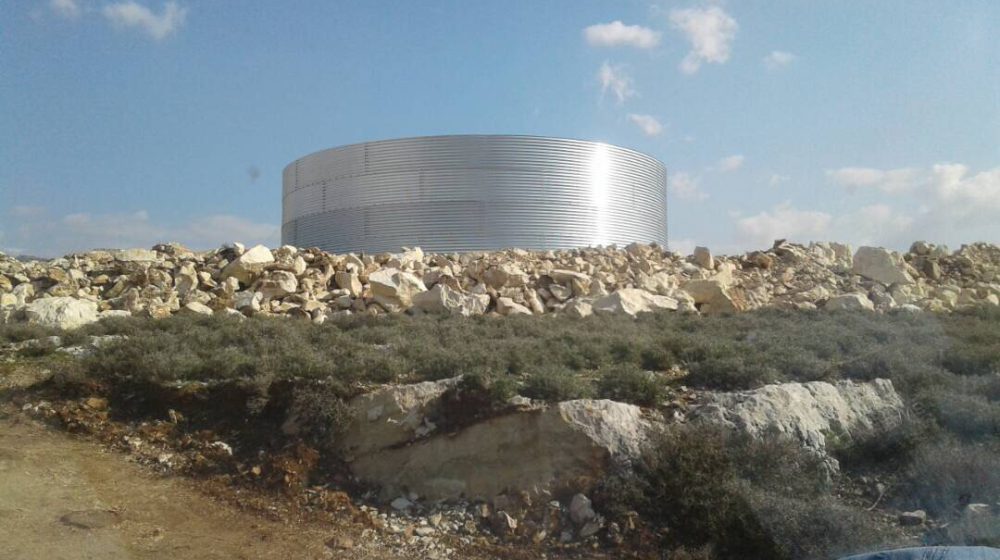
x=473, y=193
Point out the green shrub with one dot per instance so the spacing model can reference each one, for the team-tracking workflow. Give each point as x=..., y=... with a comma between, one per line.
x=556, y=385
x=945, y=473
x=970, y=416
x=703, y=486
x=629, y=383
x=875, y=449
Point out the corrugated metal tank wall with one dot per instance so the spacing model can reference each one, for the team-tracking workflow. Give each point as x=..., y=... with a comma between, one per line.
x=471, y=193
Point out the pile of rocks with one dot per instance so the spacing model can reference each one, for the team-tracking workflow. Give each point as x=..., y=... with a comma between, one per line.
x=316, y=285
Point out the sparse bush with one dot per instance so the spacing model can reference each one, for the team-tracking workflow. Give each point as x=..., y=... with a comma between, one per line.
x=629, y=383
x=556, y=385
x=741, y=497
x=878, y=448
x=817, y=528
x=946, y=473
x=970, y=416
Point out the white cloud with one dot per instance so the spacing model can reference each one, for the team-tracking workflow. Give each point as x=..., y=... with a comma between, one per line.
x=777, y=179
x=157, y=26
x=784, y=222
x=81, y=231
x=953, y=205
x=890, y=181
x=876, y=224
x=649, y=125
x=617, y=34
x=779, y=59
x=965, y=195
x=616, y=80
x=686, y=187
x=69, y=9
x=21, y=211
x=683, y=246
x=709, y=30
x=731, y=163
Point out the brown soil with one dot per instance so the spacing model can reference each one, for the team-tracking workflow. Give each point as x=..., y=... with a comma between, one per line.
x=61, y=497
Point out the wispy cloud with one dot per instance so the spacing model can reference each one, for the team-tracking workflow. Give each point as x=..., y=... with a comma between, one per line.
x=648, y=124
x=777, y=179
x=69, y=9
x=131, y=14
x=616, y=80
x=686, y=187
x=34, y=231
x=890, y=181
x=784, y=222
x=778, y=59
x=617, y=34
x=731, y=163
x=710, y=31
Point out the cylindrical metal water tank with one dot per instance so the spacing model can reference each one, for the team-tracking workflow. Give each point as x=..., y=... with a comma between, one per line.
x=472, y=193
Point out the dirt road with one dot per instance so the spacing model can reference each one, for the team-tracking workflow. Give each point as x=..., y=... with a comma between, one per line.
x=62, y=497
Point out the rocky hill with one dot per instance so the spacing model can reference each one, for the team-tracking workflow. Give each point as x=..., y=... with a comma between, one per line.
x=315, y=285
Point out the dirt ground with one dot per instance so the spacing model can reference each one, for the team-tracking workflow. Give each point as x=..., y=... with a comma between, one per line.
x=61, y=497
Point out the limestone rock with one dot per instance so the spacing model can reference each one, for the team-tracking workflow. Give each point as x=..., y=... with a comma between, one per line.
x=711, y=296
x=61, y=312
x=251, y=263
x=394, y=288
x=880, y=265
x=349, y=281
x=579, y=307
x=808, y=412
x=849, y=301
x=631, y=301
x=443, y=299
x=195, y=308
x=278, y=283
x=391, y=416
x=703, y=258
x=135, y=255
x=507, y=306
x=505, y=274
x=579, y=439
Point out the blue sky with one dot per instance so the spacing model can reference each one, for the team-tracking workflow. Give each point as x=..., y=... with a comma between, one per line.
x=132, y=122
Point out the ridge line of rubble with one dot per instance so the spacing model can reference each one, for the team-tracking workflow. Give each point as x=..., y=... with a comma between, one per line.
x=312, y=284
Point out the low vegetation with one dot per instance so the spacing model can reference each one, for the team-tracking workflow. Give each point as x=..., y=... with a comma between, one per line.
x=705, y=493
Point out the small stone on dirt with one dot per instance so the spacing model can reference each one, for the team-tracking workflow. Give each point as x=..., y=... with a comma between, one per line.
x=91, y=518
x=911, y=518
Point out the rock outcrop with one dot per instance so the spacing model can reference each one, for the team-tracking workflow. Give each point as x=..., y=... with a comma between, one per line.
x=61, y=312
x=394, y=443
x=808, y=412
x=315, y=285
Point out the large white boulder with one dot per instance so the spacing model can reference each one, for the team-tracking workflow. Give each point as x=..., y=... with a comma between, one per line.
x=523, y=450
x=507, y=306
x=278, y=283
x=135, y=255
x=631, y=301
x=394, y=289
x=444, y=299
x=849, y=301
x=703, y=258
x=711, y=296
x=881, y=265
x=251, y=263
x=808, y=412
x=61, y=312
x=348, y=281
x=390, y=416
